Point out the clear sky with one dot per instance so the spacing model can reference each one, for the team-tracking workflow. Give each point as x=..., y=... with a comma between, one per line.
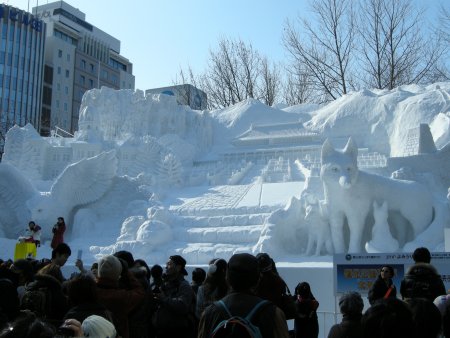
x=160, y=36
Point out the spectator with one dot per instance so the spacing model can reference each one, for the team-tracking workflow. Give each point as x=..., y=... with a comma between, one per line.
x=23, y=268
x=126, y=256
x=94, y=269
x=174, y=316
x=215, y=286
x=27, y=325
x=157, y=280
x=421, y=255
x=422, y=281
x=92, y=326
x=142, y=272
x=198, y=277
x=388, y=318
x=60, y=255
x=243, y=276
x=44, y=296
x=271, y=286
x=83, y=300
x=120, y=302
x=426, y=316
x=306, y=324
x=351, y=306
x=383, y=286
x=58, y=232
x=9, y=302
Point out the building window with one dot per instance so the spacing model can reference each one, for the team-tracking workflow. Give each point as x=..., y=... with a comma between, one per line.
x=92, y=67
x=65, y=106
x=59, y=53
x=83, y=64
x=68, y=57
x=57, y=104
x=58, y=86
x=66, y=90
x=59, y=70
x=82, y=80
x=91, y=83
x=67, y=73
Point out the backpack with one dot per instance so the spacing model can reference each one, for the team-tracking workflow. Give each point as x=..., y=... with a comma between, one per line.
x=236, y=326
x=38, y=301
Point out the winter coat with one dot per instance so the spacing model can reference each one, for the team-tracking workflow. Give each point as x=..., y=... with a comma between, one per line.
x=269, y=318
x=120, y=301
x=379, y=290
x=422, y=281
x=58, y=303
x=175, y=310
x=306, y=324
x=58, y=234
x=350, y=327
x=271, y=287
x=9, y=302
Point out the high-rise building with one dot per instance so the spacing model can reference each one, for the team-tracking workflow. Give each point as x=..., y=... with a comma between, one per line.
x=78, y=57
x=21, y=69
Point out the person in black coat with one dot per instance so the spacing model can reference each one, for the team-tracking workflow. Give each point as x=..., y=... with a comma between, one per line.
x=383, y=286
x=351, y=306
x=306, y=324
x=83, y=302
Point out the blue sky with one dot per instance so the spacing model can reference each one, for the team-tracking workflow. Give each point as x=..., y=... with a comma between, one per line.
x=159, y=37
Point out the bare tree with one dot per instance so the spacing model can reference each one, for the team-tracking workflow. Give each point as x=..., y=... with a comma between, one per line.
x=270, y=83
x=232, y=73
x=325, y=48
x=297, y=88
x=393, y=50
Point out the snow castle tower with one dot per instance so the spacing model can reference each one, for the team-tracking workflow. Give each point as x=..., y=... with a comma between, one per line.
x=419, y=141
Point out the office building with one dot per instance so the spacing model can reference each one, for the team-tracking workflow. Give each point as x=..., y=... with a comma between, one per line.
x=78, y=57
x=21, y=69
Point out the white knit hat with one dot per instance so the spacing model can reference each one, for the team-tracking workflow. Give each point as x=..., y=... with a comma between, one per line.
x=98, y=327
x=109, y=267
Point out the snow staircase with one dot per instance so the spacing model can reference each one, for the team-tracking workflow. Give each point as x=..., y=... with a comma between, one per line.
x=212, y=232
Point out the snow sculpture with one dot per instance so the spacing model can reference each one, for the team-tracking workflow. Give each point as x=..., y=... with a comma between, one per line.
x=382, y=240
x=14, y=191
x=318, y=229
x=350, y=193
x=79, y=184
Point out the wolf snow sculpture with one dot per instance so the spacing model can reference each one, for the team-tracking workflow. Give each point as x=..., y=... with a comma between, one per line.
x=350, y=193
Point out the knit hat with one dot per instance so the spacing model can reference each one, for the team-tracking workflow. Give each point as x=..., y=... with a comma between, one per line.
x=178, y=260
x=351, y=303
x=243, y=271
x=109, y=267
x=98, y=327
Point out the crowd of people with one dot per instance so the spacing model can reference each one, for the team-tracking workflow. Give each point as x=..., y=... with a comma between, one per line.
x=120, y=296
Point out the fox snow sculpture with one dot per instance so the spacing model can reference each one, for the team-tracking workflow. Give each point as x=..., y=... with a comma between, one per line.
x=350, y=193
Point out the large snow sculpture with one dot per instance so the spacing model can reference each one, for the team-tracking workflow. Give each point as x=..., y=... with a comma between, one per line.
x=78, y=185
x=350, y=193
